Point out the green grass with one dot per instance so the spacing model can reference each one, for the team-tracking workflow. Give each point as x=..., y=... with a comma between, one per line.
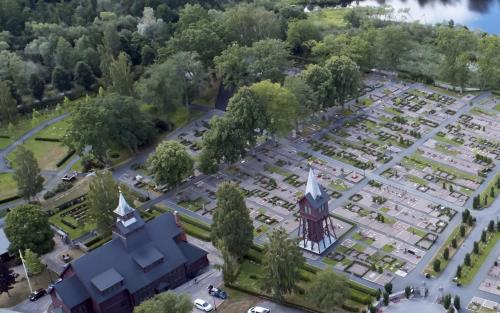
x=72, y=233
x=338, y=185
x=443, y=167
x=447, y=141
x=327, y=19
x=444, y=149
x=439, y=255
x=276, y=169
x=47, y=154
x=359, y=247
x=497, y=107
x=8, y=186
x=487, y=191
x=23, y=125
x=56, y=130
x=388, y=248
x=416, y=180
x=20, y=291
x=417, y=231
x=468, y=273
x=392, y=111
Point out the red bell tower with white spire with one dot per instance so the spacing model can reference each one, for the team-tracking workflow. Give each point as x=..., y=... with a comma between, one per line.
x=315, y=224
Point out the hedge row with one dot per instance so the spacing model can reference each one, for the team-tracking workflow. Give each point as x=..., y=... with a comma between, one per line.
x=197, y=232
x=4, y=136
x=99, y=243
x=66, y=158
x=9, y=199
x=359, y=296
x=48, y=139
x=350, y=306
x=364, y=289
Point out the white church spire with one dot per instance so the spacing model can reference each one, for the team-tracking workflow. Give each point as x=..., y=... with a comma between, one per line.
x=312, y=187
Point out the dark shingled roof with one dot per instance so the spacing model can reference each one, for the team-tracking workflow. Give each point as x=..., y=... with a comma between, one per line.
x=143, y=245
x=106, y=279
x=72, y=291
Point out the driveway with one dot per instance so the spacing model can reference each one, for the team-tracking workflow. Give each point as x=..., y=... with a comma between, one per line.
x=39, y=306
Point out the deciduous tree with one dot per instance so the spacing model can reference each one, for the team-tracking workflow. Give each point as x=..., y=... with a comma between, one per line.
x=102, y=200
x=84, y=75
x=282, y=262
x=27, y=173
x=27, y=227
x=8, y=105
x=121, y=76
x=329, y=291
x=167, y=302
x=32, y=262
x=232, y=227
x=170, y=163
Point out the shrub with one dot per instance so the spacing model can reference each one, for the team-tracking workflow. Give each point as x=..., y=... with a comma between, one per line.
x=436, y=266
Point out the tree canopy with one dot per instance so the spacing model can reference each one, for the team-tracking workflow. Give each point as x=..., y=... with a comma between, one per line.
x=166, y=302
x=170, y=163
x=27, y=227
x=102, y=200
x=282, y=262
x=329, y=291
x=108, y=121
x=27, y=173
x=232, y=227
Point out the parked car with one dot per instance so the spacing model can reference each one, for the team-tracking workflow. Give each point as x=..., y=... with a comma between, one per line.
x=203, y=305
x=218, y=293
x=37, y=294
x=258, y=309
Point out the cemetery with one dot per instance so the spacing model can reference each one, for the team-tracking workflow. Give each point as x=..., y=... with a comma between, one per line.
x=384, y=225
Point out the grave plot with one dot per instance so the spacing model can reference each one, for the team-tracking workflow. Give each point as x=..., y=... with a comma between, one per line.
x=191, y=136
x=491, y=283
x=396, y=230
x=374, y=256
x=439, y=184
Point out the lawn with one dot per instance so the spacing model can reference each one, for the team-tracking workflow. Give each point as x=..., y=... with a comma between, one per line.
x=237, y=301
x=327, y=19
x=338, y=185
x=416, y=180
x=8, y=186
x=21, y=291
x=56, y=130
x=417, y=231
x=497, y=107
x=443, y=167
x=388, y=248
x=23, y=125
x=47, y=153
x=477, y=261
x=447, y=140
x=439, y=255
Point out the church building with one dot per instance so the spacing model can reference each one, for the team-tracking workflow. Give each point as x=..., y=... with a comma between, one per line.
x=142, y=259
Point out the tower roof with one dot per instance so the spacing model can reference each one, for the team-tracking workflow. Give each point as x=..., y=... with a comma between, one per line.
x=123, y=208
x=312, y=187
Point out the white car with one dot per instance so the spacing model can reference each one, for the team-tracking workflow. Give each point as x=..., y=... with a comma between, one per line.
x=258, y=309
x=203, y=305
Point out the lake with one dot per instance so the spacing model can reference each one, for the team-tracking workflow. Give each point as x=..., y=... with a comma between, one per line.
x=475, y=14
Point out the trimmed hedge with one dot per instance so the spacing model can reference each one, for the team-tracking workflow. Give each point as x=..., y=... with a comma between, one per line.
x=4, y=136
x=197, y=232
x=350, y=306
x=9, y=199
x=364, y=289
x=65, y=158
x=48, y=139
x=361, y=297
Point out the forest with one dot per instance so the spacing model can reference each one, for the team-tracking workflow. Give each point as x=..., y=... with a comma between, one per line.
x=155, y=56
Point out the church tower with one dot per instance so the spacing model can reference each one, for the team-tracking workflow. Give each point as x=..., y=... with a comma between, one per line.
x=315, y=223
